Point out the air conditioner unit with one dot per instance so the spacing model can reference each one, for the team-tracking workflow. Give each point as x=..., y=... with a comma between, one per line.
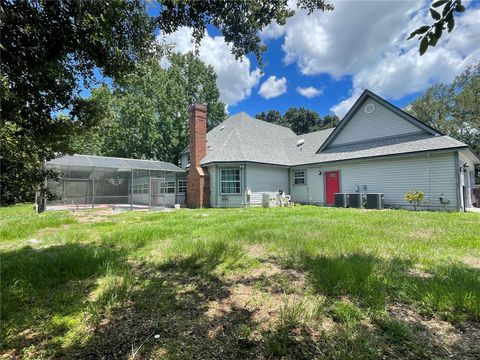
x=341, y=200
x=356, y=200
x=375, y=201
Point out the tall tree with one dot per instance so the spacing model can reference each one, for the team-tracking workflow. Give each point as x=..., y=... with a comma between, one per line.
x=330, y=121
x=300, y=120
x=51, y=48
x=453, y=109
x=146, y=114
x=199, y=82
x=271, y=116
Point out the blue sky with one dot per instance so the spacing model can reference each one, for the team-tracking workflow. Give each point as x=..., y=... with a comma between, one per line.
x=334, y=56
x=332, y=89
x=361, y=44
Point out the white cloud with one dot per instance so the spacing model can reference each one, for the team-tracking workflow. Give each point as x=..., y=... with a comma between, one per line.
x=272, y=31
x=367, y=41
x=273, y=87
x=235, y=80
x=309, y=92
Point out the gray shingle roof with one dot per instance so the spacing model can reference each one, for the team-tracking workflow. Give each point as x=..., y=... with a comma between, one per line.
x=380, y=147
x=242, y=138
x=112, y=162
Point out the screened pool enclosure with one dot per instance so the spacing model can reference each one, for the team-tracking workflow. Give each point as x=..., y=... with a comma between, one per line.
x=97, y=181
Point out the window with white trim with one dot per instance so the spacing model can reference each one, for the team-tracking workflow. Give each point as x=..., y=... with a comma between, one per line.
x=139, y=189
x=299, y=177
x=170, y=187
x=230, y=181
x=182, y=186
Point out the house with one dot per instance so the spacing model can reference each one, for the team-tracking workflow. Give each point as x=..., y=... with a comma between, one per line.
x=376, y=148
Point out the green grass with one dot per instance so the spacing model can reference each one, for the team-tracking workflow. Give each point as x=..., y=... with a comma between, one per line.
x=294, y=282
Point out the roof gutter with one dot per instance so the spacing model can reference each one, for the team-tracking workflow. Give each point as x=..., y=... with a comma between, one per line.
x=386, y=155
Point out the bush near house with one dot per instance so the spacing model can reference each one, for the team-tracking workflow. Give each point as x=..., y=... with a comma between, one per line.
x=415, y=198
x=300, y=282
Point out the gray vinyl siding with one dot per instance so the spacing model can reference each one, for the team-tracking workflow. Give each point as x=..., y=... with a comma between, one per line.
x=184, y=160
x=257, y=178
x=381, y=123
x=434, y=174
x=212, y=172
x=312, y=191
x=265, y=179
x=225, y=201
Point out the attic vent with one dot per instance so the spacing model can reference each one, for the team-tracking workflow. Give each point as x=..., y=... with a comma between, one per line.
x=222, y=127
x=369, y=108
x=300, y=142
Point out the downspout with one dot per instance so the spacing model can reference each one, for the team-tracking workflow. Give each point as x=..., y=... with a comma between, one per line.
x=290, y=182
x=456, y=162
x=245, y=198
x=219, y=174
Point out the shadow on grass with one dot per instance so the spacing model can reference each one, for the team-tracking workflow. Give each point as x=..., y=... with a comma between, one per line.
x=451, y=290
x=188, y=305
x=181, y=310
x=120, y=305
x=374, y=308
x=41, y=286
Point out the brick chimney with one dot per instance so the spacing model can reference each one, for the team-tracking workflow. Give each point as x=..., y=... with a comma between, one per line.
x=198, y=186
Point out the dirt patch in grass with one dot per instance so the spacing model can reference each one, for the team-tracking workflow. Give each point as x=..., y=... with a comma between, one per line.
x=256, y=251
x=472, y=261
x=419, y=273
x=83, y=216
x=459, y=341
x=423, y=233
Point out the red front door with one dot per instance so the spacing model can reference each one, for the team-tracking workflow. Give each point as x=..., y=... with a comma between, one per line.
x=332, y=186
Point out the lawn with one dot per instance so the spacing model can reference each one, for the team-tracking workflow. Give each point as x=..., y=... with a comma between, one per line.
x=303, y=282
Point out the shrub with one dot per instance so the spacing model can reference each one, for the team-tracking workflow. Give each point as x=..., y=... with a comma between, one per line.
x=415, y=198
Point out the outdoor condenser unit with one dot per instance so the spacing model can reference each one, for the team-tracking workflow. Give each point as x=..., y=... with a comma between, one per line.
x=341, y=200
x=356, y=200
x=374, y=201
x=266, y=200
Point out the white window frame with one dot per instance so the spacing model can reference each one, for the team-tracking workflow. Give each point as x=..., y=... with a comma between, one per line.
x=304, y=177
x=239, y=181
x=183, y=186
x=170, y=187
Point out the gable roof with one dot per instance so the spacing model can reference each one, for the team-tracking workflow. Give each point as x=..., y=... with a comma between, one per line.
x=353, y=110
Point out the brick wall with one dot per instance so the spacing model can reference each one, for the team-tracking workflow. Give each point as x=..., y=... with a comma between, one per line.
x=198, y=185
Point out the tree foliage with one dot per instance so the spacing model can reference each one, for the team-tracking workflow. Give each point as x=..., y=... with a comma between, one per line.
x=300, y=120
x=146, y=114
x=240, y=21
x=271, y=116
x=453, y=109
x=443, y=14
